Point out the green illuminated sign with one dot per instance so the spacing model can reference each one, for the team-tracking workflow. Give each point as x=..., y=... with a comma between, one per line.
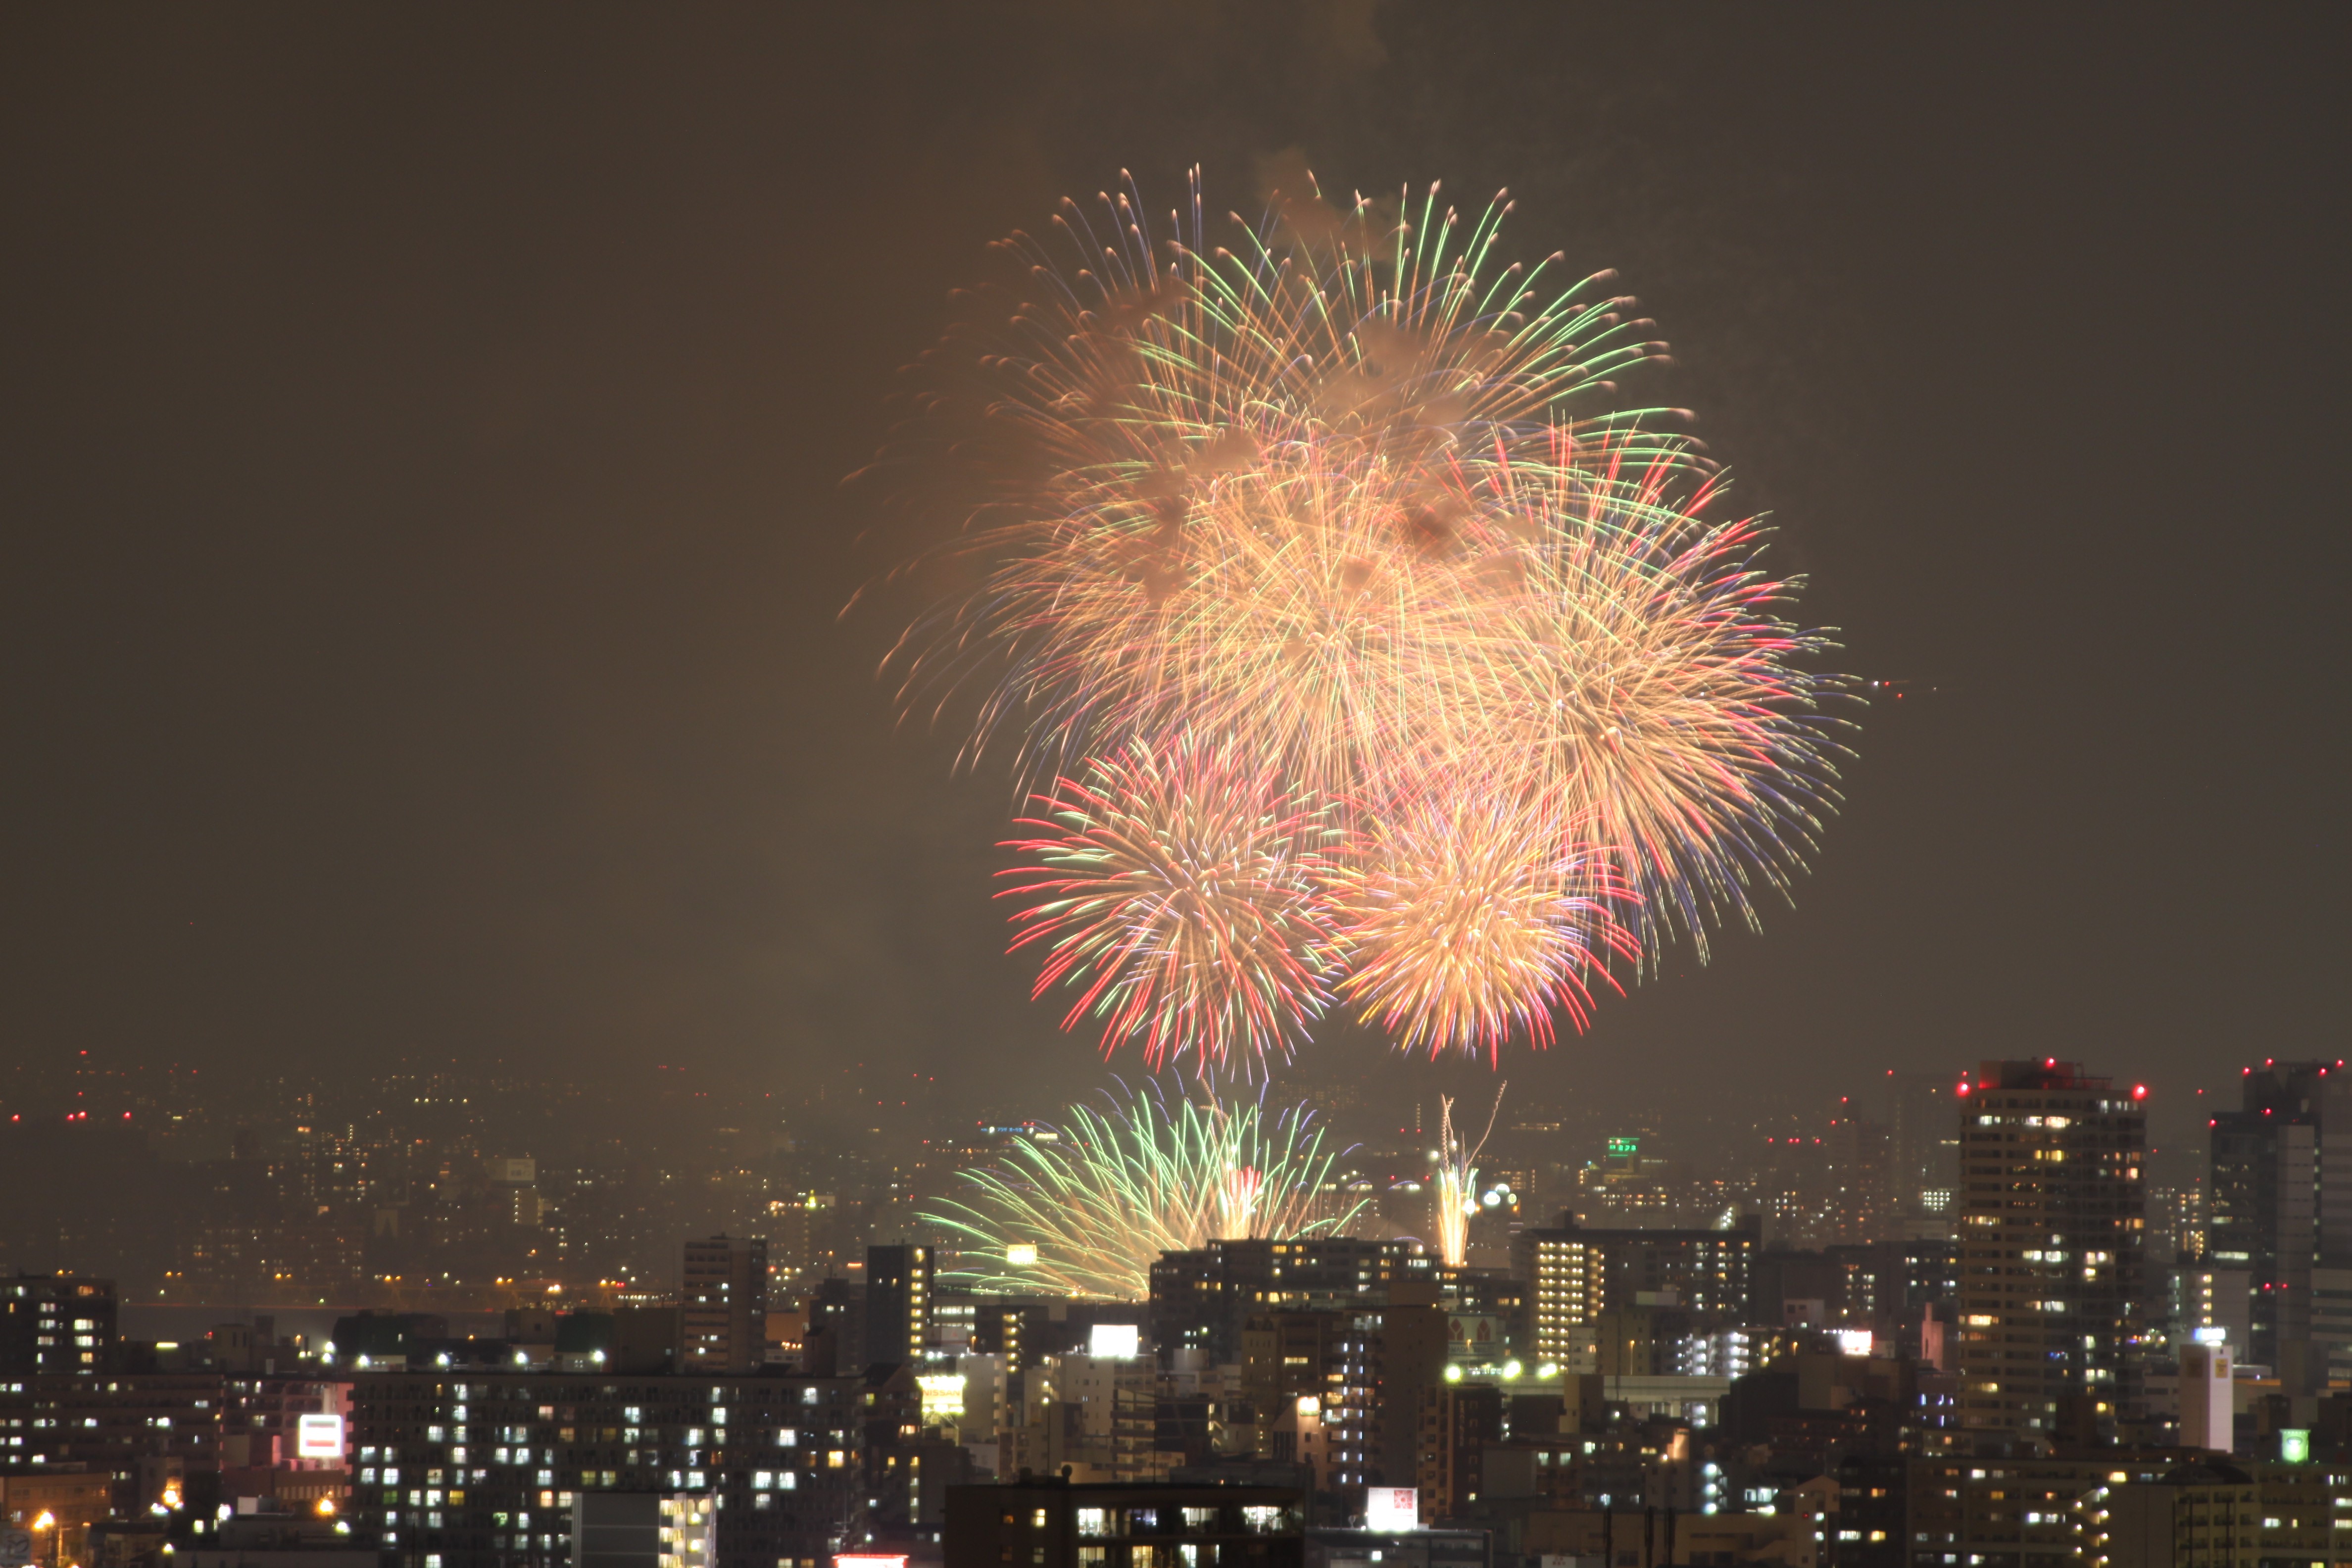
x=1625, y=1145
x=2294, y=1445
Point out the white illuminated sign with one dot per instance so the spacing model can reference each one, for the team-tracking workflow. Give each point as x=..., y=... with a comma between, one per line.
x=318, y=1437
x=1118, y=1341
x=1392, y=1509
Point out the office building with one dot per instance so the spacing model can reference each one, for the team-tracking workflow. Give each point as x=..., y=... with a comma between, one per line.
x=723, y=1305
x=901, y=1299
x=2051, y=1233
x=55, y=1323
x=2279, y=1205
x=1923, y=1150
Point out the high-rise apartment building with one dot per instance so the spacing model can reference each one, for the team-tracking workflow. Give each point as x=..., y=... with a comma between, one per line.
x=489, y=1471
x=1324, y=1366
x=1200, y=1299
x=2280, y=1204
x=901, y=1299
x=1564, y=1272
x=2051, y=1235
x=1572, y=1274
x=1457, y=1422
x=723, y=1305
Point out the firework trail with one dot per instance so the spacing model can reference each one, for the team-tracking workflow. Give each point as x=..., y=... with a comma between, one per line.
x=1345, y=497
x=1149, y=1173
x=1457, y=1179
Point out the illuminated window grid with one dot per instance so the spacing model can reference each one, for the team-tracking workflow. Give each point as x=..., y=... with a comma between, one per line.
x=1567, y=1294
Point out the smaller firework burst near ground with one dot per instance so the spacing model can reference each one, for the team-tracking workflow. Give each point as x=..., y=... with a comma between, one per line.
x=1458, y=1180
x=1149, y=1170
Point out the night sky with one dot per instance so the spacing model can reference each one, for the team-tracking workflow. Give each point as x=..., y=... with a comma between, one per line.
x=424, y=536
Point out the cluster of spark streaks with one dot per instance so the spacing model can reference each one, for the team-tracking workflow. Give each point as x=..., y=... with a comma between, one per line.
x=1456, y=1196
x=1149, y=1172
x=1468, y=919
x=1162, y=866
x=1365, y=663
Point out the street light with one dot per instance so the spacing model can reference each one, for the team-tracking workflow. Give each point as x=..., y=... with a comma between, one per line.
x=49, y=1522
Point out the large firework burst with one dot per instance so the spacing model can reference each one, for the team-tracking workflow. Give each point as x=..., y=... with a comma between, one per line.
x=1186, y=888
x=1471, y=918
x=1149, y=1172
x=1346, y=496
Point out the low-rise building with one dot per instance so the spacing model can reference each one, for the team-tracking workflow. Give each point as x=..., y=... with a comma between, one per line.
x=139, y=1429
x=71, y=1497
x=1630, y=1538
x=2201, y=1515
x=2014, y=1512
x=1051, y=1524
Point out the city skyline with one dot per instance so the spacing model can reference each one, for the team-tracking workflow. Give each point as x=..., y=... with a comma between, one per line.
x=1336, y=785
x=1987, y=1295
x=422, y=1171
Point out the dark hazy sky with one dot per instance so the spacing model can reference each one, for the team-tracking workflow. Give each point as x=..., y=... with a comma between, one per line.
x=422, y=543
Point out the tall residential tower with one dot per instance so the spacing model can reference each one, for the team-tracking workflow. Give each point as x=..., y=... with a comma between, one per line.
x=723, y=1306
x=2053, y=1221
